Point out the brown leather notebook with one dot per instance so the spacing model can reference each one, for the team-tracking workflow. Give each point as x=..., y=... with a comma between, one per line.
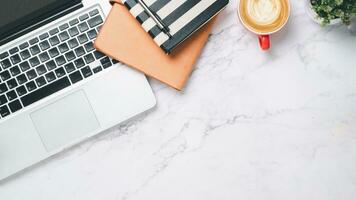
x=123, y=39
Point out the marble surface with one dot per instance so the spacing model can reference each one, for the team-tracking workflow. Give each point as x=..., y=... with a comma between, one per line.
x=250, y=125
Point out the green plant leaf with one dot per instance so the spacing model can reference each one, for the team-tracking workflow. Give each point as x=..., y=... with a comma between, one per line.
x=328, y=10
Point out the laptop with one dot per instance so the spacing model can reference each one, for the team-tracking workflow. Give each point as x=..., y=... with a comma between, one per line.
x=56, y=90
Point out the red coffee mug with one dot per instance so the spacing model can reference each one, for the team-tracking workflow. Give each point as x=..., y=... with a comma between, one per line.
x=263, y=37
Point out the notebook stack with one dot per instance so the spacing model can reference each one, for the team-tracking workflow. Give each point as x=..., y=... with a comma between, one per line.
x=133, y=35
x=178, y=18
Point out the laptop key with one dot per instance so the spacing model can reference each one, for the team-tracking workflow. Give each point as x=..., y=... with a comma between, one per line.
x=69, y=67
x=54, y=40
x=15, y=71
x=35, y=50
x=93, y=12
x=4, y=111
x=86, y=71
x=63, y=26
x=63, y=47
x=97, y=69
x=50, y=77
x=11, y=95
x=105, y=60
x=34, y=61
x=24, y=66
x=24, y=45
x=63, y=36
x=92, y=34
x=75, y=77
x=11, y=83
x=95, y=21
x=21, y=90
x=31, y=86
x=44, y=36
x=5, y=63
x=25, y=54
x=44, y=45
x=73, y=31
x=79, y=63
x=83, y=27
x=89, y=58
x=3, y=100
x=83, y=38
x=98, y=55
x=107, y=65
x=14, y=50
x=41, y=70
x=31, y=74
x=60, y=60
x=4, y=55
x=70, y=56
x=45, y=91
x=15, y=59
x=79, y=51
x=15, y=106
x=60, y=72
x=83, y=17
x=89, y=47
x=5, y=75
x=73, y=43
x=3, y=88
x=53, y=52
x=51, y=65
x=74, y=22
x=21, y=79
x=44, y=57
x=53, y=31
x=40, y=81
x=33, y=41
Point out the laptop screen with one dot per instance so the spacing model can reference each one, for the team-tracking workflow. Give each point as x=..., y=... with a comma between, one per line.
x=16, y=15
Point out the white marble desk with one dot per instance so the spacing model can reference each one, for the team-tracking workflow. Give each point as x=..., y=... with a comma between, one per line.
x=250, y=125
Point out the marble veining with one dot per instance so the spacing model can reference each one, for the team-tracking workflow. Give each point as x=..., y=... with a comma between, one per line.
x=249, y=125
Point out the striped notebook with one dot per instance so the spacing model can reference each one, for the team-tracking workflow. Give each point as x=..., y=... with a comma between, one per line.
x=180, y=17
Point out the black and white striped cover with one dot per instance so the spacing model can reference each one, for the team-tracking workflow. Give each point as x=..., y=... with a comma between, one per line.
x=183, y=17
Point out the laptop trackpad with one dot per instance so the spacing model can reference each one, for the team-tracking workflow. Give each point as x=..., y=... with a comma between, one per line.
x=65, y=121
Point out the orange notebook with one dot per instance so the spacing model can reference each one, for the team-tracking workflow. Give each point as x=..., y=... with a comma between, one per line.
x=123, y=39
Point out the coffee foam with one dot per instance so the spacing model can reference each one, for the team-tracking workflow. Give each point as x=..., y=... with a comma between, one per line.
x=264, y=16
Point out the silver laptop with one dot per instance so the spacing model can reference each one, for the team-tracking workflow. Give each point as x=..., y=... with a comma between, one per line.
x=55, y=88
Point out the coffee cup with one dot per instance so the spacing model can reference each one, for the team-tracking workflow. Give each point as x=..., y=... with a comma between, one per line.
x=264, y=17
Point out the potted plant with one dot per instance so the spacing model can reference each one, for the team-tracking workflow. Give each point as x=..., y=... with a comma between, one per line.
x=327, y=12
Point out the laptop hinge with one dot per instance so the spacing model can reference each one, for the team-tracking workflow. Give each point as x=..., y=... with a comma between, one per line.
x=41, y=23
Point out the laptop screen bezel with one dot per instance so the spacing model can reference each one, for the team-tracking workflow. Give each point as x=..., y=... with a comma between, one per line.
x=35, y=17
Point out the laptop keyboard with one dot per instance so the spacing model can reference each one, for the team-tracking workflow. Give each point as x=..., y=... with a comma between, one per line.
x=50, y=62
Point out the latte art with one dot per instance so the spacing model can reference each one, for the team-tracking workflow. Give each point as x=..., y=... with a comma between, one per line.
x=264, y=11
x=264, y=16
